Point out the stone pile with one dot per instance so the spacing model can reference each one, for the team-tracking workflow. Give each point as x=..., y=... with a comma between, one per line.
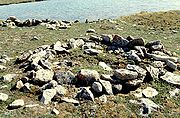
x=13, y=22
x=150, y=61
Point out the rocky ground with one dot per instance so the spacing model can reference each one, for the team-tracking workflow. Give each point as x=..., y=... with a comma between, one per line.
x=106, y=68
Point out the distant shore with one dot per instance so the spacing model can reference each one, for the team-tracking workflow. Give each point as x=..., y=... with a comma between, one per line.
x=8, y=2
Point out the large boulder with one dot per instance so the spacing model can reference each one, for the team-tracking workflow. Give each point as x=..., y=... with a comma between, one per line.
x=44, y=76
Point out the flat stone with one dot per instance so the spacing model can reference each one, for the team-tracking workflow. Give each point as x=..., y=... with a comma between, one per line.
x=43, y=75
x=47, y=95
x=92, y=51
x=85, y=94
x=171, y=65
x=124, y=74
x=141, y=72
x=106, y=86
x=171, y=78
x=16, y=104
x=3, y=97
x=97, y=87
x=87, y=77
x=164, y=58
x=105, y=66
x=149, y=92
x=70, y=100
x=31, y=105
x=106, y=77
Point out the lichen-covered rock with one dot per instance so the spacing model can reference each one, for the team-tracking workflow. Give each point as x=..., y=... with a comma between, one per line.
x=3, y=97
x=44, y=76
x=124, y=74
x=47, y=95
x=16, y=104
x=171, y=78
x=97, y=87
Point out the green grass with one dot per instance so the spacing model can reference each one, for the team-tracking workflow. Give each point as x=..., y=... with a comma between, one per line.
x=15, y=41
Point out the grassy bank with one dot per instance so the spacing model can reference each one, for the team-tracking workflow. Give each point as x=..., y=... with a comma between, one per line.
x=15, y=41
x=7, y=2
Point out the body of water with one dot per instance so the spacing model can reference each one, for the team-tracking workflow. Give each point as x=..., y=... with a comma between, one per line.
x=85, y=9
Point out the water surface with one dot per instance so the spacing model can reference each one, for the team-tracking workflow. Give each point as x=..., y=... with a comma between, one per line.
x=85, y=9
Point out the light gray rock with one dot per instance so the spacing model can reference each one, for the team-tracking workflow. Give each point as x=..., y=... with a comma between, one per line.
x=97, y=87
x=141, y=72
x=124, y=74
x=2, y=68
x=47, y=95
x=117, y=88
x=19, y=84
x=8, y=77
x=87, y=76
x=106, y=77
x=55, y=111
x=16, y=104
x=76, y=43
x=88, y=45
x=92, y=51
x=60, y=90
x=3, y=97
x=164, y=58
x=149, y=92
x=157, y=64
x=171, y=78
x=171, y=64
x=43, y=75
x=133, y=56
x=152, y=72
x=69, y=100
x=105, y=66
x=174, y=92
x=85, y=93
x=103, y=98
x=106, y=86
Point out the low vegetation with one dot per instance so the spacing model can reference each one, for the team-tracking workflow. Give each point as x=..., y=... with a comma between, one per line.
x=164, y=26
